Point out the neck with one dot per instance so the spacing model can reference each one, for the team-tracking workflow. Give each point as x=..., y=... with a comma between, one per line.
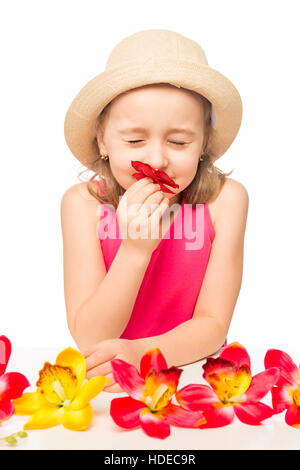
x=177, y=199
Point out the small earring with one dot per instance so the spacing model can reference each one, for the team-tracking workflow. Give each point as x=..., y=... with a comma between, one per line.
x=201, y=159
x=104, y=157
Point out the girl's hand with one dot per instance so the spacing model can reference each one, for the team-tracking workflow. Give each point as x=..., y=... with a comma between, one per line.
x=98, y=358
x=139, y=214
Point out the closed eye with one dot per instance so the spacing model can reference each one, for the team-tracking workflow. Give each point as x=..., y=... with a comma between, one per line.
x=137, y=141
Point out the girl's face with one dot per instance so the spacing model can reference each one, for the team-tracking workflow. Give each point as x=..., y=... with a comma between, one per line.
x=156, y=124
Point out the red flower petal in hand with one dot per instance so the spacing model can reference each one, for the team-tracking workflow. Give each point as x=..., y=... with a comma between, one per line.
x=158, y=176
x=149, y=402
x=286, y=393
x=12, y=384
x=164, y=178
x=234, y=391
x=144, y=169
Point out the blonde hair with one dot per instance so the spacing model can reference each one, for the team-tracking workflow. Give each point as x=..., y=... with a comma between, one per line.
x=205, y=187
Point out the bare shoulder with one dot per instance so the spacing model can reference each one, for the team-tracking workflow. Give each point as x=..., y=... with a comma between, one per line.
x=78, y=202
x=233, y=198
x=231, y=191
x=79, y=192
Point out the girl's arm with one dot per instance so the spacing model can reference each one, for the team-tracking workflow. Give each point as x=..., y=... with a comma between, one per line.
x=98, y=303
x=205, y=333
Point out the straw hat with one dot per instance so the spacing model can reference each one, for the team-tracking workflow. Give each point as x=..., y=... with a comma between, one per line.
x=148, y=57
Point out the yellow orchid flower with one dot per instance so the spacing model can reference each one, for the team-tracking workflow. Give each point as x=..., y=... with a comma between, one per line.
x=61, y=396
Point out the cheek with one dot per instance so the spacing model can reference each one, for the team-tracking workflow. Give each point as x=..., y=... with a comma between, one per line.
x=187, y=168
x=122, y=170
x=186, y=173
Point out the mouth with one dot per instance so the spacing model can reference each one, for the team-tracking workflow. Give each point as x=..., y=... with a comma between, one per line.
x=158, y=176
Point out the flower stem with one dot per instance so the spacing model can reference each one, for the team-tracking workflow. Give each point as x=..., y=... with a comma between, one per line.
x=12, y=438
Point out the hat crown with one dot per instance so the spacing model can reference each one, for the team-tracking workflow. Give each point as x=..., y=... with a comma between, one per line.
x=145, y=58
x=155, y=43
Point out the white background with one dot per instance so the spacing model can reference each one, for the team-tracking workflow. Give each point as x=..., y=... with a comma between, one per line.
x=49, y=51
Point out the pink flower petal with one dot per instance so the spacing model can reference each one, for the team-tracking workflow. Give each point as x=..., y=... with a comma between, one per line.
x=288, y=369
x=154, y=424
x=281, y=399
x=128, y=378
x=261, y=384
x=218, y=416
x=126, y=411
x=292, y=416
x=12, y=385
x=178, y=416
x=152, y=360
x=196, y=397
x=236, y=354
x=5, y=351
x=6, y=410
x=253, y=413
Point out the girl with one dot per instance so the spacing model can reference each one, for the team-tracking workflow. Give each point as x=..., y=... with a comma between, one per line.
x=133, y=277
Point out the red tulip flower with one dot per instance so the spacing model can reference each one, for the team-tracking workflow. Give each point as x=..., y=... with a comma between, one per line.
x=149, y=404
x=160, y=177
x=286, y=393
x=12, y=384
x=233, y=390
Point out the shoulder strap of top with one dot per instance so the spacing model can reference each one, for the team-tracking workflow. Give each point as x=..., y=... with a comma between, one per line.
x=99, y=186
x=211, y=228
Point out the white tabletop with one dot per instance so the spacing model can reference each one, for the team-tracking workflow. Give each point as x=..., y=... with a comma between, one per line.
x=103, y=433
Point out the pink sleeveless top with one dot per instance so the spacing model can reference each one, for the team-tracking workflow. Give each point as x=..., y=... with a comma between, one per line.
x=173, y=279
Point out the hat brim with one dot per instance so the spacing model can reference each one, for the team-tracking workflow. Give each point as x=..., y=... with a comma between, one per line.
x=79, y=126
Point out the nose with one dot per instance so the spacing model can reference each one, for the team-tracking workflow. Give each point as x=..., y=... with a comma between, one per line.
x=156, y=157
x=156, y=167
x=158, y=163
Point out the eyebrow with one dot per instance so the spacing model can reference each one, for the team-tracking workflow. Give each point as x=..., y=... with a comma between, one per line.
x=175, y=130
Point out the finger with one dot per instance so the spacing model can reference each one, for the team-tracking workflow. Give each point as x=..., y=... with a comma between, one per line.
x=111, y=381
x=138, y=185
x=136, y=189
x=112, y=385
x=88, y=351
x=157, y=213
x=102, y=369
x=152, y=203
x=98, y=358
x=115, y=388
x=100, y=352
x=141, y=194
x=151, y=213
